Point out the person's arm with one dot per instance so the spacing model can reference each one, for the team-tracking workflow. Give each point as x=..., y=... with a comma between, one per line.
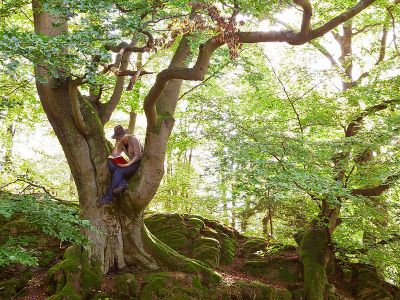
x=117, y=150
x=136, y=153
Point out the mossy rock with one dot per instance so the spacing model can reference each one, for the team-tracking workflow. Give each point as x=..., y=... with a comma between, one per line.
x=46, y=257
x=196, y=222
x=207, y=250
x=174, y=218
x=126, y=285
x=172, y=259
x=174, y=238
x=174, y=286
x=211, y=233
x=9, y=288
x=228, y=250
x=155, y=220
x=74, y=277
x=251, y=290
x=195, y=225
x=254, y=246
x=170, y=229
x=288, y=271
x=369, y=285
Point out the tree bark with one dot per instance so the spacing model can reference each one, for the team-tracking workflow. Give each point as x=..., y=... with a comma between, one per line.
x=119, y=230
x=132, y=122
x=9, y=144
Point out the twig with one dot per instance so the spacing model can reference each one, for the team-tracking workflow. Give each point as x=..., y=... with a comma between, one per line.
x=286, y=93
x=37, y=186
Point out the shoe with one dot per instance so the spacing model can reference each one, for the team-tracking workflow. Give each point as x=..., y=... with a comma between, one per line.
x=102, y=200
x=119, y=189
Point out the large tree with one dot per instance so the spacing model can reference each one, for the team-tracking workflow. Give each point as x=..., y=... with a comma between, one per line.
x=70, y=48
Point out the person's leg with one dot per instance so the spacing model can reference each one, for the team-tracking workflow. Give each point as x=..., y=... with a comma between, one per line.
x=119, y=180
x=127, y=172
x=111, y=166
x=115, y=181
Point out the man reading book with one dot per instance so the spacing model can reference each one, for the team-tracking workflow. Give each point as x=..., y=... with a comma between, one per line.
x=120, y=168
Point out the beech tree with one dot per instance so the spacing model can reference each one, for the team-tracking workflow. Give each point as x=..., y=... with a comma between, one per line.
x=70, y=49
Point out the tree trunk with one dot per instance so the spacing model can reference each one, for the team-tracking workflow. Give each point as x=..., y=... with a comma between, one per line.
x=132, y=122
x=9, y=144
x=119, y=235
x=314, y=254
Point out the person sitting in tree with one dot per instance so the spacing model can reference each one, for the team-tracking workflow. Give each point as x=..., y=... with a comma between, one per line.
x=121, y=170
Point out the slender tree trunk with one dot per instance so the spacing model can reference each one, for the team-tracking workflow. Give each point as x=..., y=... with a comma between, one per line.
x=132, y=122
x=270, y=222
x=9, y=144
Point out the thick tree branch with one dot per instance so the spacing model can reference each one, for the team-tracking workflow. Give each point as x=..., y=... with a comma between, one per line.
x=382, y=53
x=124, y=46
x=136, y=73
x=376, y=190
x=354, y=126
x=294, y=38
x=198, y=71
x=76, y=111
x=307, y=13
x=107, y=108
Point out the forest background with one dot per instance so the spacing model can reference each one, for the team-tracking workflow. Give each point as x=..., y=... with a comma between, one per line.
x=271, y=132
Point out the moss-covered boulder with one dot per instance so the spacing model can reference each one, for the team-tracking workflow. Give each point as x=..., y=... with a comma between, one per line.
x=207, y=250
x=274, y=270
x=170, y=229
x=74, y=277
x=370, y=286
x=254, y=247
x=251, y=290
x=228, y=249
x=31, y=246
x=195, y=237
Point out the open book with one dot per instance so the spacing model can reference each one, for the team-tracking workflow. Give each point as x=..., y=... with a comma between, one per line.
x=117, y=159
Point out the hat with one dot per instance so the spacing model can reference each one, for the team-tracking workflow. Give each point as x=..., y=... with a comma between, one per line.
x=119, y=132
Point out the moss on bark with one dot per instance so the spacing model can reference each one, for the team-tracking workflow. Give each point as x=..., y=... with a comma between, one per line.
x=313, y=253
x=74, y=277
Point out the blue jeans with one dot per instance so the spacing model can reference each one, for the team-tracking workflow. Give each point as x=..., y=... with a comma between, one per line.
x=119, y=177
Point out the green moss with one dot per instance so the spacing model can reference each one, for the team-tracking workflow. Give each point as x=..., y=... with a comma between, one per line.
x=46, y=258
x=171, y=230
x=67, y=293
x=126, y=285
x=74, y=273
x=228, y=250
x=178, y=286
x=196, y=222
x=369, y=285
x=211, y=233
x=251, y=290
x=313, y=250
x=195, y=225
x=155, y=286
x=8, y=288
x=207, y=250
x=278, y=269
x=178, y=262
x=254, y=245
